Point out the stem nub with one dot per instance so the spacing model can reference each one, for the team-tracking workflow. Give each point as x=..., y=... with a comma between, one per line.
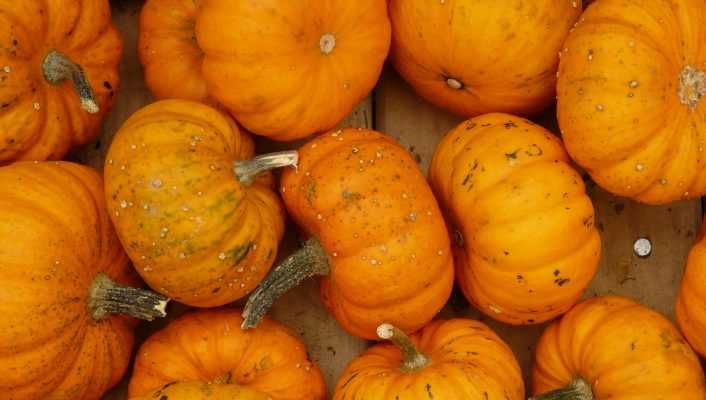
x=692, y=86
x=246, y=170
x=327, y=43
x=412, y=358
x=579, y=389
x=311, y=260
x=107, y=297
x=57, y=68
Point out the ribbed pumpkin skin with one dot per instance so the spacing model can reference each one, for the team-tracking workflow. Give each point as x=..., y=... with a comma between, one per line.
x=468, y=361
x=691, y=301
x=618, y=98
x=168, y=51
x=193, y=231
x=622, y=349
x=57, y=238
x=501, y=54
x=363, y=196
x=202, y=391
x=39, y=121
x=264, y=60
x=528, y=246
x=209, y=346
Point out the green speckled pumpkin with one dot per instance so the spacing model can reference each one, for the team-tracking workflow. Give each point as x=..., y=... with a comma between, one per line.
x=195, y=228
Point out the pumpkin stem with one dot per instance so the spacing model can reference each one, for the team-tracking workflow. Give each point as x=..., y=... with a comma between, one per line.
x=692, y=86
x=579, y=389
x=57, y=68
x=412, y=358
x=107, y=297
x=311, y=260
x=246, y=170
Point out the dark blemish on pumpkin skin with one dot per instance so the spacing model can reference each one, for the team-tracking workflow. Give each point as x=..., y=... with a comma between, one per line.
x=562, y=281
x=353, y=376
x=512, y=155
x=429, y=393
x=509, y=125
x=556, y=272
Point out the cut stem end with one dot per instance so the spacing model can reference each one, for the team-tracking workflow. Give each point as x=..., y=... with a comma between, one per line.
x=107, y=297
x=247, y=170
x=309, y=261
x=692, y=86
x=412, y=358
x=57, y=68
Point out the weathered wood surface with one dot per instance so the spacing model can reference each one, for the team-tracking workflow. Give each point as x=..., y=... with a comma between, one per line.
x=395, y=109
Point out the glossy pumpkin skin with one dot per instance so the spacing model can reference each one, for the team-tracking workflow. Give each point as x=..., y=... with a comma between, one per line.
x=192, y=230
x=473, y=57
x=526, y=243
x=38, y=120
x=284, y=69
x=622, y=349
x=168, y=50
x=364, y=198
x=468, y=361
x=209, y=346
x=619, y=102
x=691, y=301
x=50, y=347
x=203, y=391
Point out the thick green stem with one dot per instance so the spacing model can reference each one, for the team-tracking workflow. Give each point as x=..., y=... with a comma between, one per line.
x=579, y=389
x=311, y=260
x=247, y=170
x=106, y=297
x=57, y=68
x=412, y=358
x=692, y=86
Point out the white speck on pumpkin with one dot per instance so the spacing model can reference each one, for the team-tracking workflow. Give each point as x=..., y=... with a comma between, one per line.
x=633, y=84
x=123, y=204
x=7, y=69
x=156, y=183
x=599, y=107
x=222, y=256
x=639, y=167
x=36, y=105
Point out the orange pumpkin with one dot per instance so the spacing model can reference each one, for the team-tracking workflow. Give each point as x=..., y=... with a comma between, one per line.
x=58, y=75
x=196, y=221
x=477, y=56
x=209, y=347
x=203, y=391
x=691, y=301
x=375, y=230
x=284, y=69
x=630, y=82
x=59, y=269
x=526, y=243
x=613, y=348
x=455, y=359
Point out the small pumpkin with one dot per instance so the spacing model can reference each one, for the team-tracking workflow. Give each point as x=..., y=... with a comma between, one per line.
x=58, y=75
x=631, y=79
x=209, y=347
x=198, y=222
x=691, y=301
x=454, y=359
x=477, y=56
x=610, y=347
x=376, y=234
x=526, y=242
x=284, y=68
x=203, y=391
x=62, y=271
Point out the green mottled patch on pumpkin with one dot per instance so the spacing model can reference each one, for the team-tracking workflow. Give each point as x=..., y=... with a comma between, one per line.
x=238, y=253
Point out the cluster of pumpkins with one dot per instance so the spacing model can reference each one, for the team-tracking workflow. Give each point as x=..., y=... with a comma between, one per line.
x=184, y=199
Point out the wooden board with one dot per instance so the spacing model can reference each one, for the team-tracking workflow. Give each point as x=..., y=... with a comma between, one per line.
x=395, y=109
